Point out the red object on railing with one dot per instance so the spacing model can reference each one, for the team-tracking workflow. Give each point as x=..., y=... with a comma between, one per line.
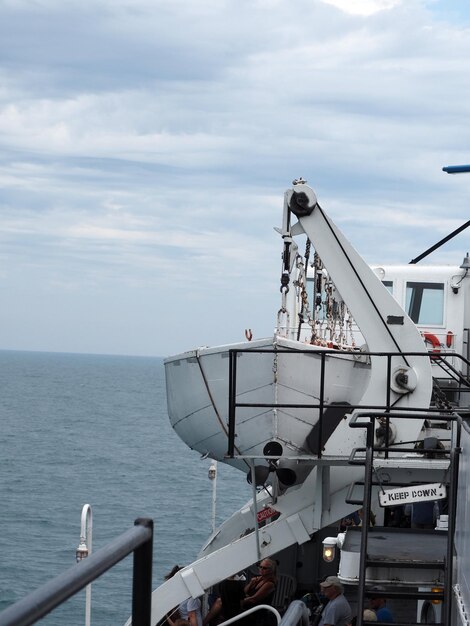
x=433, y=340
x=449, y=339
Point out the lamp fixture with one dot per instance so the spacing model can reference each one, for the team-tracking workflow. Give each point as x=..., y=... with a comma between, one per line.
x=329, y=549
x=82, y=550
x=436, y=590
x=466, y=263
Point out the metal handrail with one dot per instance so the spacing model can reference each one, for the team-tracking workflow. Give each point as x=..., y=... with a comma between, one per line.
x=321, y=405
x=296, y=613
x=253, y=609
x=43, y=600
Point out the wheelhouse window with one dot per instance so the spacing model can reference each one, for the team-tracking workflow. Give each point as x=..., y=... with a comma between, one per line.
x=425, y=303
x=389, y=285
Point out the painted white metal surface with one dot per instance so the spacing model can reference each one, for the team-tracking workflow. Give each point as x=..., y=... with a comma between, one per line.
x=200, y=414
x=197, y=381
x=455, y=294
x=295, y=526
x=372, y=307
x=230, y=559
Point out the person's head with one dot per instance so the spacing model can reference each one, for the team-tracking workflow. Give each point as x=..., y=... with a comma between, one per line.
x=369, y=615
x=267, y=568
x=181, y=622
x=377, y=603
x=171, y=573
x=331, y=587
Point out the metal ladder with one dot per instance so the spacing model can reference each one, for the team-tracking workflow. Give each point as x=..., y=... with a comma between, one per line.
x=368, y=456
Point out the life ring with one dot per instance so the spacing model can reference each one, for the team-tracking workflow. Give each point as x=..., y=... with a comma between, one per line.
x=434, y=341
x=248, y=334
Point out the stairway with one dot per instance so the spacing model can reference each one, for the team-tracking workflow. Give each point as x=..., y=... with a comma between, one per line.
x=397, y=557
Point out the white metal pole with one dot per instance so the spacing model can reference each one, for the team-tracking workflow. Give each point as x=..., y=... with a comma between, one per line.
x=213, y=478
x=84, y=549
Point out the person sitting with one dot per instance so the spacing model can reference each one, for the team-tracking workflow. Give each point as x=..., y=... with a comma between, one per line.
x=231, y=596
x=187, y=611
x=172, y=616
x=337, y=612
x=190, y=611
x=369, y=615
x=379, y=605
x=260, y=590
x=228, y=603
x=234, y=598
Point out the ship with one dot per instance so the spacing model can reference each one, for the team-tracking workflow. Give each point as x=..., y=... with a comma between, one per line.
x=346, y=421
x=358, y=402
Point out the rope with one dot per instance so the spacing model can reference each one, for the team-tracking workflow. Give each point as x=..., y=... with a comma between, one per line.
x=221, y=422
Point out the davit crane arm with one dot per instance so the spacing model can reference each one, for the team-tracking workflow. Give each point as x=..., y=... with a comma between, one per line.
x=383, y=323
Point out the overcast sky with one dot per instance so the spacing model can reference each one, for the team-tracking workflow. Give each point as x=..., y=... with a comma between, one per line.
x=145, y=146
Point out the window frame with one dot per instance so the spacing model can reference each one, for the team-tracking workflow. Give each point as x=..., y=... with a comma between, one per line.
x=416, y=303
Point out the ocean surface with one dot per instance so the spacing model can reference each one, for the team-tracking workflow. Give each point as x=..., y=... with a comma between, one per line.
x=79, y=429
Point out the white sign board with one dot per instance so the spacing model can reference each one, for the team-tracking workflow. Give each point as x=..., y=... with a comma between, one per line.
x=415, y=493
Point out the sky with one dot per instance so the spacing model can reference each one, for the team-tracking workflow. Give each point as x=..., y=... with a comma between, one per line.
x=145, y=146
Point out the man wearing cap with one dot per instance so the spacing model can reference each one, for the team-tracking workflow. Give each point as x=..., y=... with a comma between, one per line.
x=337, y=612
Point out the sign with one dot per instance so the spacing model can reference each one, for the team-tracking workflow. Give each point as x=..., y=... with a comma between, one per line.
x=266, y=513
x=415, y=493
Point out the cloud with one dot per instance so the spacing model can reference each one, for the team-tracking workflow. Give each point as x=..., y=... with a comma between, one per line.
x=364, y=7
x=145, y=146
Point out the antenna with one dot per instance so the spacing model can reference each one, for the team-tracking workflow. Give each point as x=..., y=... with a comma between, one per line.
x=450, y=169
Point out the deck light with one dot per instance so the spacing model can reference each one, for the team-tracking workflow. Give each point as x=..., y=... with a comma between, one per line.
x=212, y=471
x=329, y=549
x=212, y=474
x=466, y=263
x=82, y=550
x=436, y=590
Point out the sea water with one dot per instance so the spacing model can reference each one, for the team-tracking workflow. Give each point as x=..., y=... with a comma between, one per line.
x=79, y=429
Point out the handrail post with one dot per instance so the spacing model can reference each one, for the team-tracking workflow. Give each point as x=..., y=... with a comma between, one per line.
x=232, y=382
x=142, y=578
x=452, y=499
x=255, y=507
x=84, y=550
x=322, y=402
x=388, y=400
x=365, y=520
